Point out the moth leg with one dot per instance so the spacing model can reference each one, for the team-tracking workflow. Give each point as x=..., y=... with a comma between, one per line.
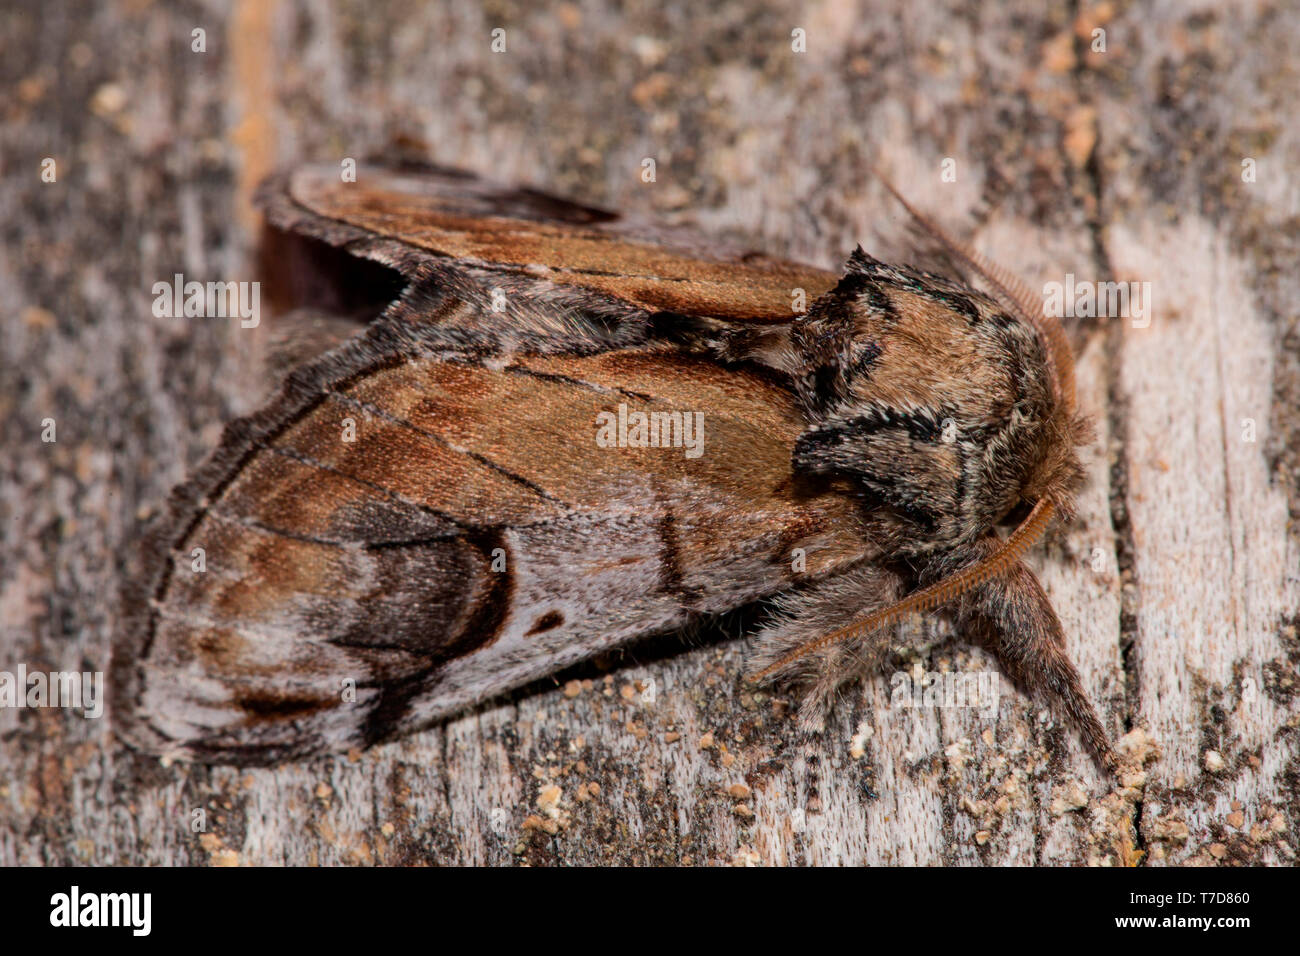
x=1012, y=616
x=808, y=614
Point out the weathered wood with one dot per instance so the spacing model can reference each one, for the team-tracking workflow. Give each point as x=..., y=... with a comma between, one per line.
x=1179, y=585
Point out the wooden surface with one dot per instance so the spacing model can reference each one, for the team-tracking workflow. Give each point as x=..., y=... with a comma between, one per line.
x=1179, y=585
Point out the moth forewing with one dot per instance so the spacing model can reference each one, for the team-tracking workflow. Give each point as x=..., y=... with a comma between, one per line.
x=435, y=214
x=474, y=535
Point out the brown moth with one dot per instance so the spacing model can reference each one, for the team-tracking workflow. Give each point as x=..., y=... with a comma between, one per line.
x=572, y=430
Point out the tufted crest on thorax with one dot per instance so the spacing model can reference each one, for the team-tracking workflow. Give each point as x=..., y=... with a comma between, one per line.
x=934, y=398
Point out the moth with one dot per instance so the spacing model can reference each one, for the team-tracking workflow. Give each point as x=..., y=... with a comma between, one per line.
x=490, y=480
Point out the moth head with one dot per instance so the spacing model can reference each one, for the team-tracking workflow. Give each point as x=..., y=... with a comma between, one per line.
x=1055, y=473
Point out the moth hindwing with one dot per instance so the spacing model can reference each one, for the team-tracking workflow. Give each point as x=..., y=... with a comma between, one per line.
x=572, y=430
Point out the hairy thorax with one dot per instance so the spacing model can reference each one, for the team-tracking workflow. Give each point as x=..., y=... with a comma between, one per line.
x=934, y=399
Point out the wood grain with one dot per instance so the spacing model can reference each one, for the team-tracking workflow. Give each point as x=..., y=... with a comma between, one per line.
x=1179, y=584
